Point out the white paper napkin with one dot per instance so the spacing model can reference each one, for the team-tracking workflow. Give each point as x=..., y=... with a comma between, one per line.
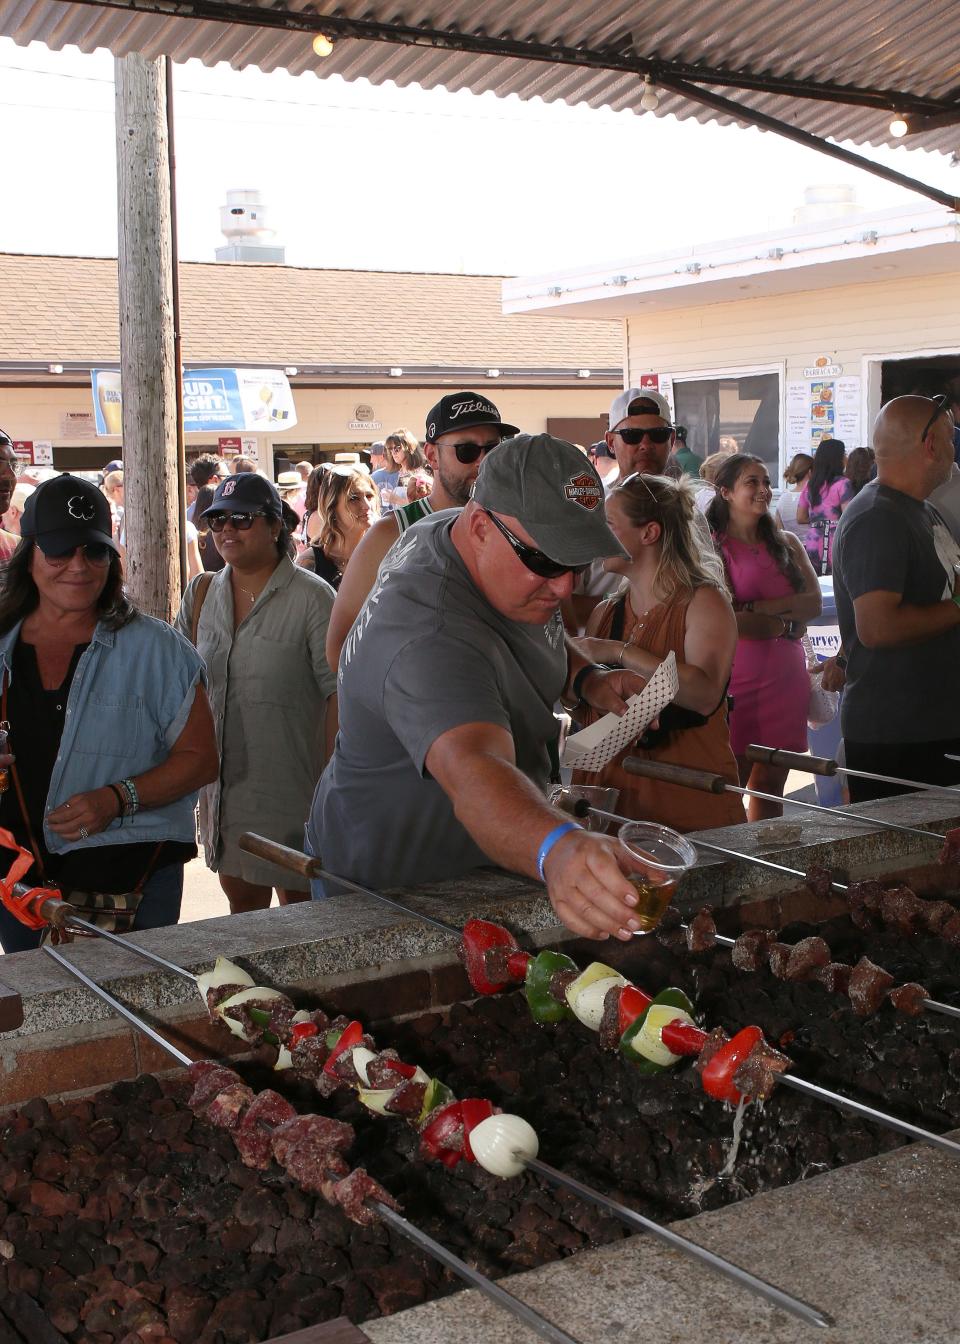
x=593, y=747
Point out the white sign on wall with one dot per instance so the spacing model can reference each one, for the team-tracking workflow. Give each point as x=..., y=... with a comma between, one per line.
x=77, y=425
x=823, y=408
x=42, y=453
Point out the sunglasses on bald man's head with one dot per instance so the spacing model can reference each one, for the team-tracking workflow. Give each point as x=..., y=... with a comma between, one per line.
x=659, y=434
x=941, y=403
x=536, y=561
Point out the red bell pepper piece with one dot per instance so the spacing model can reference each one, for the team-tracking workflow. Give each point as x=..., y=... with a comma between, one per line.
x=473, y=1110
x=442, y=1137
x=682, y=1038
x=717, y=1077
x=479, y=936
x=517, y=964
x=351, y=1035
x=302, y=1031
x=633, y=1002
x=404, y=1070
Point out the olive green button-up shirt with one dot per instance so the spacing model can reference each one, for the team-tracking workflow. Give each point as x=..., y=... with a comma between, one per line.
x=268, y=683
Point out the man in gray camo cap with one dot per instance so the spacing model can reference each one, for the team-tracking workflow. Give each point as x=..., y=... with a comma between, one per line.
x=447, y=687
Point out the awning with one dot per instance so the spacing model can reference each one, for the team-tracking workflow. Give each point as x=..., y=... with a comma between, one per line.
x=838, y=71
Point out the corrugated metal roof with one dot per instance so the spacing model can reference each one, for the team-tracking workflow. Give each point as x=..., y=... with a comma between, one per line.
x=909, y=49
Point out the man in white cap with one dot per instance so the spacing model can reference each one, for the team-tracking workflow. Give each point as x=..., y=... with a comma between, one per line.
x=640, y=434
x=447, y=684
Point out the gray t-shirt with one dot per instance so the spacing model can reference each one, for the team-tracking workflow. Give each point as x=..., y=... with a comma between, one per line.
x=426, y=654
x=890, y=542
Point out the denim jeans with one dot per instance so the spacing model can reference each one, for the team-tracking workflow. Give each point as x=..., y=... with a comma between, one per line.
x=159, y=907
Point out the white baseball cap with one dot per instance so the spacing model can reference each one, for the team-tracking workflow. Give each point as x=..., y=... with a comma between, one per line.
x=623, y=406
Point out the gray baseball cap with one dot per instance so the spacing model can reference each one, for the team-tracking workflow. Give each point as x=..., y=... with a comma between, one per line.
x=552, y=489
x=622, y=406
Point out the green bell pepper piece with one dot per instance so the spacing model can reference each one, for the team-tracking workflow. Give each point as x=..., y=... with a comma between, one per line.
x=540, y=970
x=676, y=999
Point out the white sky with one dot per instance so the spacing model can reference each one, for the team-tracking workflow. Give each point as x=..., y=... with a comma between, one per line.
x=389, y=178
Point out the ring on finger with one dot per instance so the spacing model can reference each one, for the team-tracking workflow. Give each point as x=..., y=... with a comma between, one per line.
x=84, y=833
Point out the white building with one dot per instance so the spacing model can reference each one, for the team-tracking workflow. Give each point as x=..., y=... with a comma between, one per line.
x=780, y=338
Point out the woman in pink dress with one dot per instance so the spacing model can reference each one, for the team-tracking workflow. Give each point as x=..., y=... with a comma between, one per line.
x=826, y=493
x=775, y=593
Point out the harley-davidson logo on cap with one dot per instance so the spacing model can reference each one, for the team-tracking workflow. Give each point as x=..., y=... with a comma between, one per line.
x=583, y=490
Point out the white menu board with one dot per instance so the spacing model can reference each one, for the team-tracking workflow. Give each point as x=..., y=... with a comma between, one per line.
x=823, y=408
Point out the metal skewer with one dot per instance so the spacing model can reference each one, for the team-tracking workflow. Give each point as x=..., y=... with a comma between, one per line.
x=75, y=922
x=581, y=808
x=304, y=864
x=711, y=783
x=825, y=765
x=537, y=1323
x=796, y=1306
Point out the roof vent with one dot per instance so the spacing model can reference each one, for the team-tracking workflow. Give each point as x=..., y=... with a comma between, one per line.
x=244, y=224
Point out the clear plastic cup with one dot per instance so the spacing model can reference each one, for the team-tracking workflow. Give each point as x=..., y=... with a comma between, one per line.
x=567, y=796
x=657, y=857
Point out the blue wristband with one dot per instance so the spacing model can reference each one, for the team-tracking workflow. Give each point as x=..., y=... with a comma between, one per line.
x=556, y=834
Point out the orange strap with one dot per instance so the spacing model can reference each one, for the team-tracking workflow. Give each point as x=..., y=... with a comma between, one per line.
x=24, y=904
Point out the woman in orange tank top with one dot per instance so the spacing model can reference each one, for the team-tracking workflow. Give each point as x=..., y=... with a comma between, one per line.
x=673, y=597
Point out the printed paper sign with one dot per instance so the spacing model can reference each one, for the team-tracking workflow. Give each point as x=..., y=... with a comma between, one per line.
x=592, y=748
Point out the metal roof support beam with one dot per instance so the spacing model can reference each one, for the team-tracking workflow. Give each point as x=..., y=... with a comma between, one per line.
x=810, y=141
x=484, y=44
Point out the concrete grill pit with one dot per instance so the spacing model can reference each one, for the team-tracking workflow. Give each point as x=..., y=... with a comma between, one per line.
x=271, y=1260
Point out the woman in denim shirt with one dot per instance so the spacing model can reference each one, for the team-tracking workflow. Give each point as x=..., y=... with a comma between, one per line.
x=110, y=727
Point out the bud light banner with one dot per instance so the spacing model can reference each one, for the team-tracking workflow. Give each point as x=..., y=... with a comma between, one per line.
x=214, y=400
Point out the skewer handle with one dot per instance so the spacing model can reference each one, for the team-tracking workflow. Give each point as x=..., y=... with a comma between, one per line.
x=282, y=855
x=675, y=774
x=792, y=760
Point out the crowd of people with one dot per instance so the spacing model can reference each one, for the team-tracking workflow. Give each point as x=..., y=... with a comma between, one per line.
x=375, y=659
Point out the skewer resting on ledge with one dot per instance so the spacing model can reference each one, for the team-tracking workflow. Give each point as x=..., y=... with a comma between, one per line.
x=526, y=1314
x=825, y=765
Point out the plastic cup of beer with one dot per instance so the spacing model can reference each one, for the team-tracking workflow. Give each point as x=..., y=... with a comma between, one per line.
x=656, y=859
x=572, y=797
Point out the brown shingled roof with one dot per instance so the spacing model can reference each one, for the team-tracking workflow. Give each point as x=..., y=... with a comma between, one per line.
x=65, y=309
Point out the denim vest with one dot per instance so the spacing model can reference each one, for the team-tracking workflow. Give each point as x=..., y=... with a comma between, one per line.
x=129, y=701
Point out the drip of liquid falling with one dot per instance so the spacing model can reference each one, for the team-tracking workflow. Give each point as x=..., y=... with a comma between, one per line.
x=727, y=1168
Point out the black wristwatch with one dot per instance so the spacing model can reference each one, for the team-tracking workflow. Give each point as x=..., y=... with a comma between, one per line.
x=841, y=661
x=587, y=670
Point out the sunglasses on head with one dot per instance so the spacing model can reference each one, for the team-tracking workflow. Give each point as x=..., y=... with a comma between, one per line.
x=94, y=552
x=940, y=405
x=535, y=560
x=469, y=452
x=241, y=521
x=660, y=434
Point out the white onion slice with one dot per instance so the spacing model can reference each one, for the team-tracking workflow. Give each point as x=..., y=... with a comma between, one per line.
x=588, y=1004
x=649, y=1043
x=361, y=1058
x=237, y=1000
x=502, y=1144
x=375, y=1099
x=224, y=973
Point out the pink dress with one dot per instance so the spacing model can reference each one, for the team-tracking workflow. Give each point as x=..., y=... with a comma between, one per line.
x=769, y=682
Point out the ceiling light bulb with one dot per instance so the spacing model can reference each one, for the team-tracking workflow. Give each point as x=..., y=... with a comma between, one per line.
x=291, y=370
x=322, y=45
x=898, y=127
x=649, y=102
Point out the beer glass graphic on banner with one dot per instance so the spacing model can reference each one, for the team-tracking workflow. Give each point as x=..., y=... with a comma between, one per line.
x=109, y=401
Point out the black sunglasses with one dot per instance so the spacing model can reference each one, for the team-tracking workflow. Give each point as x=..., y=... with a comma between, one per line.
x=634, y=436
x=535, y=560
x=940, y=405
x=469, y=452
x=241, y=521
x=94, y=552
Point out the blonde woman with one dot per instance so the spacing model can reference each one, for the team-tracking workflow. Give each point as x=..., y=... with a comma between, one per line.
x=673, y=598
x=346, y=505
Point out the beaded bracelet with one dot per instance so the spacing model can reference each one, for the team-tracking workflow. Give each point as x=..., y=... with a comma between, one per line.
x=550, y=840
x=121, y=799
x=133, y=798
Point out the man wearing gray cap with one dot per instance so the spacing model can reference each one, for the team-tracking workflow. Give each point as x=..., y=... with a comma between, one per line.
x=447, y=684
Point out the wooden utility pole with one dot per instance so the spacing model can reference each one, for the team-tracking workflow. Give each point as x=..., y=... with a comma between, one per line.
x=147, y=366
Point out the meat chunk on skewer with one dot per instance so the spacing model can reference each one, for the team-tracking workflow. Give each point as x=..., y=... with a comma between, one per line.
x=863, y=898
x=715, y=1041
x=868, y=987
x=806, y=957
x=751, y=951
x=230, y=1106
x=354, y=1192
x=779, y=958
x=902, y=909
x=610, y=1032
x=254, y=1134
x=702, y=931
x=209, y=1080
x=951, y=931
x=322, y=1130
x=820, y=880
x=950, y=853
x=908, y=998
x=757, y=1075
x=835, y=977
x=936, y=915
